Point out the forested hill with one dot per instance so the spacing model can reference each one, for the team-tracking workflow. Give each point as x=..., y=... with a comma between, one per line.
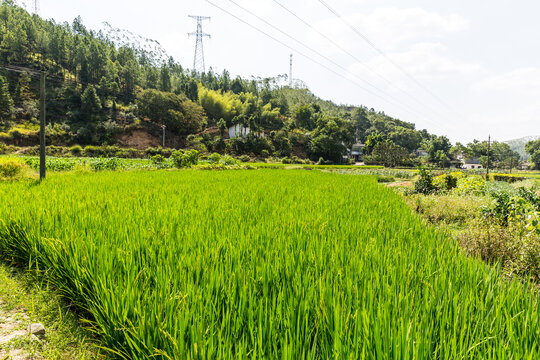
x=100, y=93
x=518, y=145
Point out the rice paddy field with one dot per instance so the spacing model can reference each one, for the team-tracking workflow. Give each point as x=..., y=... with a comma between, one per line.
x=275, y=264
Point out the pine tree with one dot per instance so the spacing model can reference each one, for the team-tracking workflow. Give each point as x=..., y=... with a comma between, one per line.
x=22, y=91
x=6, y=102
x=165, y=79
x=90, y=104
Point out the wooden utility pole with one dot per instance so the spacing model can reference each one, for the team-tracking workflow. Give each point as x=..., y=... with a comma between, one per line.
x=489, y=146
x=42, y=97
x=163, y=127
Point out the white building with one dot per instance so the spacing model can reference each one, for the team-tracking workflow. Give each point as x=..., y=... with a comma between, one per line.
x=238, y=131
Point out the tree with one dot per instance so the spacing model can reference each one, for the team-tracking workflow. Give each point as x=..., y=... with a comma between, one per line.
x=331, y=139
x=436, y=147
x=372, y=141
x=533, y=148
x=222, y=126
x=6, y=102
x=90, y=105
x=22, y=90
x=407, y=138
x=303, y=116
x=165, y=79
x=388, y=154
x=361, y=123
x=177, y=112
x=236, y=86
x=192, y=90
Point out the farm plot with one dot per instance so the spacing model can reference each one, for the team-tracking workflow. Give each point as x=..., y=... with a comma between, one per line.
x=261, y=264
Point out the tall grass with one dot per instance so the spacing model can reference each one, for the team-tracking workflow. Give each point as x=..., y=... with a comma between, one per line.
x=262, y=264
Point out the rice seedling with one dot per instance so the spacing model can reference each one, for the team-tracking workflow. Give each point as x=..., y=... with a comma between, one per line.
x=261, y=264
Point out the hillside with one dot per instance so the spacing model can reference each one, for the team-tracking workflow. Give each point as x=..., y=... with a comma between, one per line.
x=113, y=87
x=518, y=145
x=103, y=87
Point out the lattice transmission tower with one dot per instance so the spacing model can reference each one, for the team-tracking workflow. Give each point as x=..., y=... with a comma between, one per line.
x=198, y=60
x=290, y=71
x=35, y=6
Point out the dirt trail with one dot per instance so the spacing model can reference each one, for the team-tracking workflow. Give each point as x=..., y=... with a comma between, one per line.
x=16, y=342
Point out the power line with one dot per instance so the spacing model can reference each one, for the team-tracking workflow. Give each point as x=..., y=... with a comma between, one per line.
x=395, y=101
x=399, y=67
x=349, y=53
x=290, y=47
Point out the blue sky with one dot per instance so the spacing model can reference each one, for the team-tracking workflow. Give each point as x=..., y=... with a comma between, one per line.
x=481, y=58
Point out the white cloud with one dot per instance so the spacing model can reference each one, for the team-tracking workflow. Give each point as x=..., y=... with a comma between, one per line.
x=525, y=80
x=427, y=62
x=391, y=28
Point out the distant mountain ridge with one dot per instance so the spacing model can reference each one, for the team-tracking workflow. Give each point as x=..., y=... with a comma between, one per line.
x=519, y=145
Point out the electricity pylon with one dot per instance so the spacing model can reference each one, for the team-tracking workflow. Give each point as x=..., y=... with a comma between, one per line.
x=198, y=60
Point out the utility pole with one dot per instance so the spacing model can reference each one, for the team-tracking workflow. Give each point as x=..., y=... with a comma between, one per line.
x=489, y=146
x=163, y=127
x=42, y=97
x=198, y=60
x=290, y=71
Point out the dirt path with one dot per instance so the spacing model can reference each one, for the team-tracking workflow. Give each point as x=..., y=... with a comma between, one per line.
x=16, y=342
x=35, y=324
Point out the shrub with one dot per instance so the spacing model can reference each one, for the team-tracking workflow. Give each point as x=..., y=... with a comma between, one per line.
x=11, y=167
x=517, y=255
x=509, y=178
x=385, y=179
x=157, y=160
x=76, y=150
x=448, y=208
x=425, y=184
x=470, y=185
x=447, y=181
x=159, y=150
x=104, y=164
x=214, y=158
x=182, y=159
x=244, y=158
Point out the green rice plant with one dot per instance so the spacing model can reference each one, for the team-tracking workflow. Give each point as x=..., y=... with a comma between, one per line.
x=261, y=264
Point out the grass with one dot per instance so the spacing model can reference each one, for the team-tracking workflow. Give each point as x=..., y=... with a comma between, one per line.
x=261, y=264
x=448, y=209
x=27, y=301
x=311, y=166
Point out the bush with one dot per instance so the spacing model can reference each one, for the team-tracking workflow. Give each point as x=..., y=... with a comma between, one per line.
x=182, y=159
x=385, y=179
x=509, y=178
x=448, y=208
x=447, y=181
x=214, y=158
x=158, y=151
x=11, y=167
x=470, y=185
x=244, y=158
x=425, y=185
x=76, y=150
x=104, y=164
x=517, y=255
x=157, y=160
